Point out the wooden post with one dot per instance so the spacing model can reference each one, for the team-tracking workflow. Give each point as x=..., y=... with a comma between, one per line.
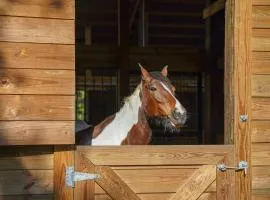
x=123, y=50
x=207, y=102
x=237, y=88
x=143, y=25
x=88, y=35
x=63, y=157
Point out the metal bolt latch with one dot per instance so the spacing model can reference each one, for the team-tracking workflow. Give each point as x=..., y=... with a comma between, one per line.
x=243, y=118
x=242, y=165
x=72, y=176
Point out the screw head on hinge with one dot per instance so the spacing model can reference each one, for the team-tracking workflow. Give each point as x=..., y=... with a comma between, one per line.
x=243, y=118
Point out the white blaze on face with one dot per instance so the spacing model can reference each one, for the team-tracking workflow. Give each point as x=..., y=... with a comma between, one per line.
x=178, y=105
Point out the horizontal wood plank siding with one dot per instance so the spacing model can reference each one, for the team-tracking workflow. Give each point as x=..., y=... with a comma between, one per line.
x=26, y=172
x=32, y=81
x=37, y=72
x=261, y=39
x=27, y=197
x=38, y=132
x=25, y=182
x=261, y=63
x=37, y=93
x=36, y=107
x=261, y=2
x=44, y=56
x=260, y=119
x=260, y=85
x=36, y=30
x=63, y=9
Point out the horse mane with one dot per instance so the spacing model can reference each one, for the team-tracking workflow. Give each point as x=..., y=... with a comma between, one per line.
x=127, y=100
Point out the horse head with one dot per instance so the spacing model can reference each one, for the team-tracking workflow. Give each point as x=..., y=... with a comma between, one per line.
x=159, y=100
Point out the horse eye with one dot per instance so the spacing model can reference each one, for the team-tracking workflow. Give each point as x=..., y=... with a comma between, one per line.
x=152, y=88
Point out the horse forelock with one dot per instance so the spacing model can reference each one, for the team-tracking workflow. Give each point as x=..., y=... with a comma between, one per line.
x=163, y=79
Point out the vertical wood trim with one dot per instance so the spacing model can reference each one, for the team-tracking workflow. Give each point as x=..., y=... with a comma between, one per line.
x=84, y=189
x=63, y=157
x=88, y=35
x=226, y=180
x=123, y=50
x=237, y=87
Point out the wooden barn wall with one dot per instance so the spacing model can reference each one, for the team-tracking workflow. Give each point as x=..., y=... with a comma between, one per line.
x=260, y=82
x=37, y=87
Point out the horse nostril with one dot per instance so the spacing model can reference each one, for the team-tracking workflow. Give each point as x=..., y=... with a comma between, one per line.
x=176, y=114
x=181, y=117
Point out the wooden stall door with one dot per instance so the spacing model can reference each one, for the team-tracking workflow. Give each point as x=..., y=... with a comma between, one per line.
x=152, y=172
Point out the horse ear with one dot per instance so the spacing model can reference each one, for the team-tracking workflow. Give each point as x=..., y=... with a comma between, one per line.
x=164, y=71
x=145, y=74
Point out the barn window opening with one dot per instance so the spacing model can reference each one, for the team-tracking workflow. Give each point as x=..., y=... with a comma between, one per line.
x=96, y=95
x=112, y=36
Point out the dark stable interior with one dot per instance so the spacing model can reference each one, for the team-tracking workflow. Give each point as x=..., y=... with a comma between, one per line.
x=112, y=36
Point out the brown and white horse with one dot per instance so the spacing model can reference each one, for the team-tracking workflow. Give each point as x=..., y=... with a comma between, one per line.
x=154, y=98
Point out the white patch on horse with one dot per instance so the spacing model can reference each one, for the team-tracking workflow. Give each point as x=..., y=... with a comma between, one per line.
x=115, y=132
x=178, y=105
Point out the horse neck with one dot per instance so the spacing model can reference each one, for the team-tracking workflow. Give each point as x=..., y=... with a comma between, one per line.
x=132, y=104
x=125, y=123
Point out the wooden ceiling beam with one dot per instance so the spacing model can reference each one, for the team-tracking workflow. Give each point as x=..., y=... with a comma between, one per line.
x=187, y=14
x=186, y=26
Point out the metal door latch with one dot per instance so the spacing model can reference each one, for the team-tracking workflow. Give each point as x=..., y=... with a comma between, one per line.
x=243, y=118
x=243, y=165
x=72, y=176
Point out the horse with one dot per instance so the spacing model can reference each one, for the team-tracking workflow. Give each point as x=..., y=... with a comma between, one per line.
x=153, y=99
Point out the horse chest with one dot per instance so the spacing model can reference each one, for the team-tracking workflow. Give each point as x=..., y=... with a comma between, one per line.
x=140, y=134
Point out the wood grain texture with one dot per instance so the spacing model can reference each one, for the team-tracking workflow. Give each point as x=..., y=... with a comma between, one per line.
x=142, y=189
x=160, y=196
x=34, y=107
x=208, y=196
x=64, y=9
x=261, y=62
x=238, y=50
x=146, y=182
x=260, y=197
x=261, y=177
x=36, y=30
x=26, y=157
x=37, y=56
x=84, y=189
x=261, y=2
x=114, y=186
x=260, y=108
x=260, y=154
x=263, y=194
x=260, y=85
x=26, y=182
x=260, y=131
x=37, y=81
x=63, y=157
x=196, y=184
x=27, y=162
x=261, y=40
x=37, y=132
x=28, y=197
x=261, y=16
x=155, y=155
x=225, y=181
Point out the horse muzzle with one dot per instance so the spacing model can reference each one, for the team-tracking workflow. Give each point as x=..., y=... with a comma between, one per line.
x=178, y=119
